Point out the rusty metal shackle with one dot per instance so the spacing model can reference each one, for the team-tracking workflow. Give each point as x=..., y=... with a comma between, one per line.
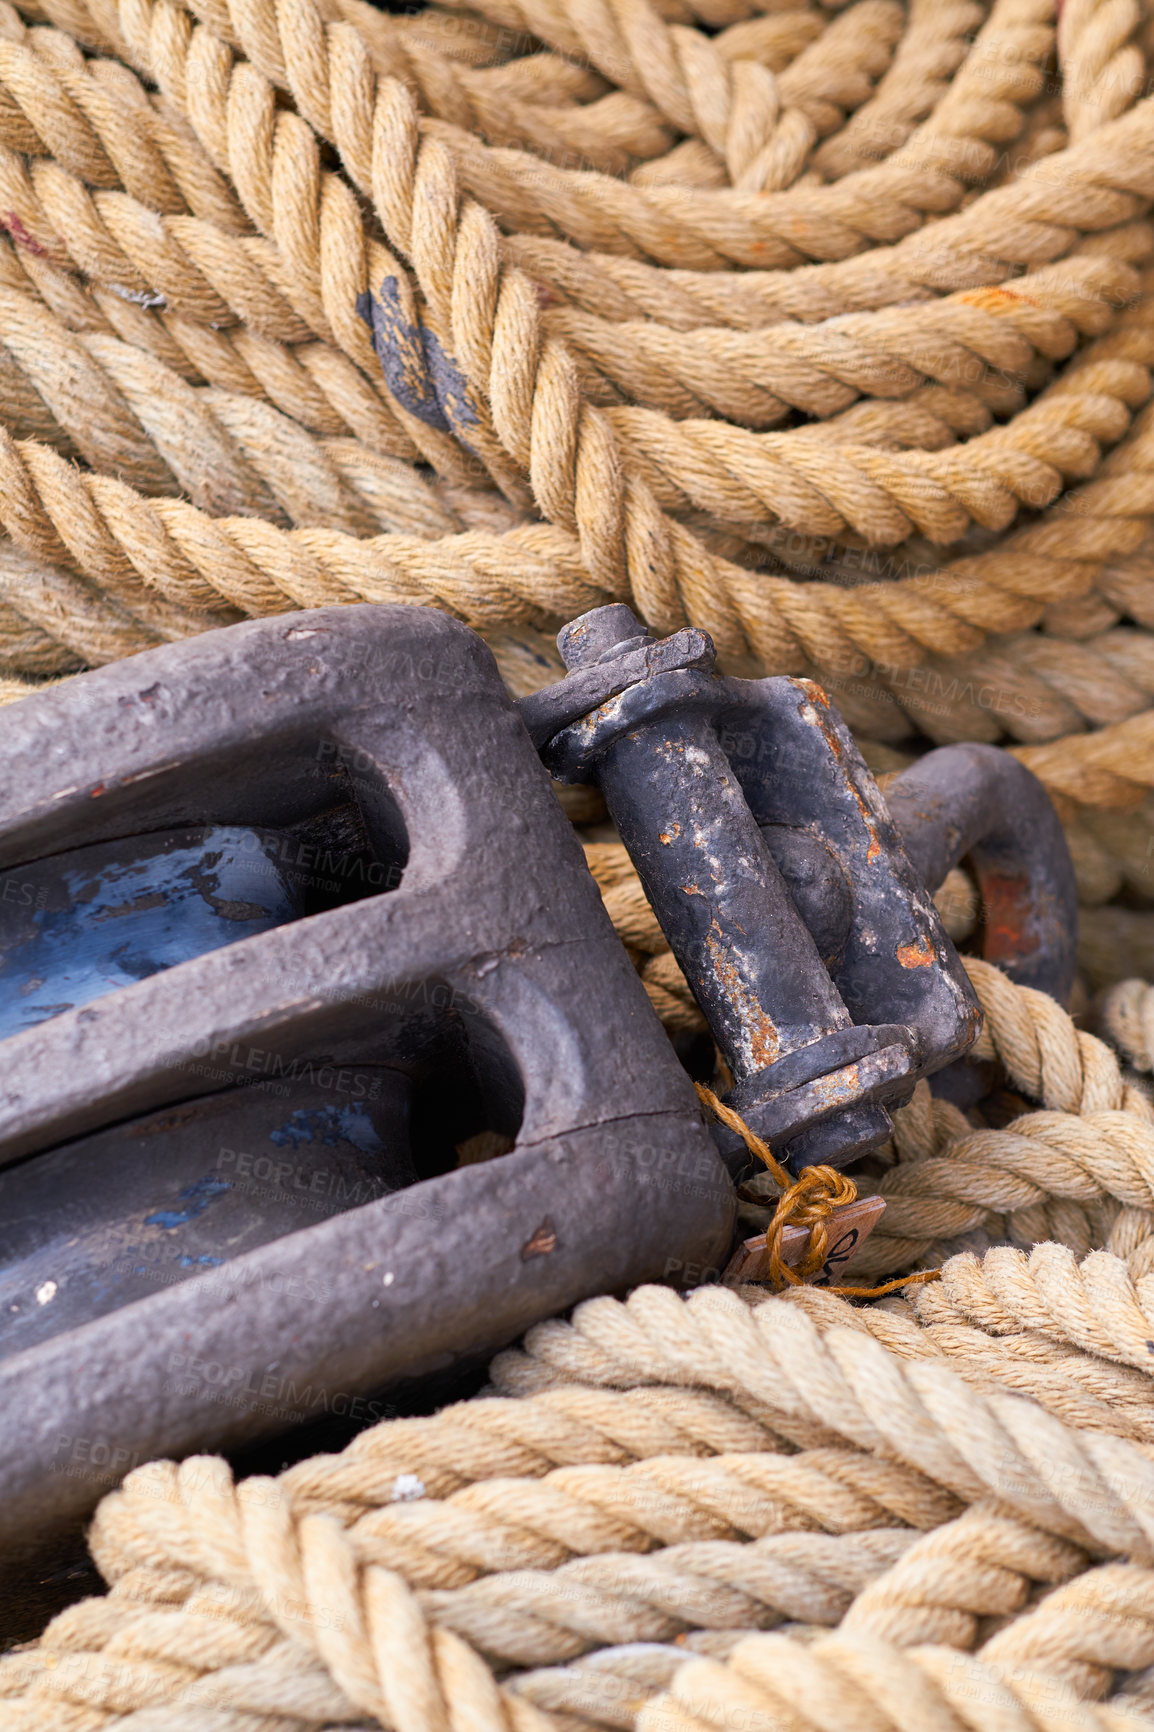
x=797, y=900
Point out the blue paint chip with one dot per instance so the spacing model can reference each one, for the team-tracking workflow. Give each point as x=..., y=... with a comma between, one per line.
x=330, y=1125
x=198, y=1196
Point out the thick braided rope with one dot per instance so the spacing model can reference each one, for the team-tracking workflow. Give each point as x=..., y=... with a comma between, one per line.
x=52, y=94
x=760, y=128
x=180, y=585
x=1069, y=1381
x=976, y=352
x=936, y=43
x=1098, y=1623
x=981, y=1565
x=1102, y=66
x=302, y=1580
x=403, y=222
x=819, y=1686
x=713, y=1340
x=126, y=414
x=724, y=87
x=172, y=548
x=962, y=345
x=759, y=119
x=177, y=80
x=926, y=175
x=1126, y=1018
x=1095, y=1305
x=35, y=392
x=910, y=598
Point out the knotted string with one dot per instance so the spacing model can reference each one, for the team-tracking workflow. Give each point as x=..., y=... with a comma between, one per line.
x=807, y=1201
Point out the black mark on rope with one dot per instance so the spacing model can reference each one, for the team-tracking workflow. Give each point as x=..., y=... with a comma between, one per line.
x=418, y=372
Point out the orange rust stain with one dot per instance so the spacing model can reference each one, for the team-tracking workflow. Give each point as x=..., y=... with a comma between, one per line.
x=667, y=836
x=916, y=955
x=542, y=1243
x=692, y=889
x=814, y=691
x=1006, y=902
x=763, y=1038
x=840, y=1085
x=996, y=300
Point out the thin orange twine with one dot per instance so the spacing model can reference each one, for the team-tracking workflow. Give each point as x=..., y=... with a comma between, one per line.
x=807, y=1201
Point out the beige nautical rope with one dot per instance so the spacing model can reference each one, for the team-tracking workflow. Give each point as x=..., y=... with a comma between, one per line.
x=921, y=1688
x=825, y=328
x=253, y=194
x=210, y=1577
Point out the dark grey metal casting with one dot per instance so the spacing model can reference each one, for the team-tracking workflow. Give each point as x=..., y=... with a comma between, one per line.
x=798, y=906
x=215, y=1220
x=975, y=802
x=289, y=913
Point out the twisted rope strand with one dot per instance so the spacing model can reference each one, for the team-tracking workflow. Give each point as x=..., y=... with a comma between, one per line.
x=305, y=1577
x=600, y=539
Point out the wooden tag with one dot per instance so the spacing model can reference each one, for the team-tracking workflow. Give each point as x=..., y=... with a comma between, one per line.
x=848, y=1227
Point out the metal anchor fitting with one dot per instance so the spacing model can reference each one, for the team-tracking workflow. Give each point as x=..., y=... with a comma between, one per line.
x=780, y=879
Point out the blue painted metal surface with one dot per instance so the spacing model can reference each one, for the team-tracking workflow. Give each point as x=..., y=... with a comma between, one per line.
x=183, y=1192
x=76, y=926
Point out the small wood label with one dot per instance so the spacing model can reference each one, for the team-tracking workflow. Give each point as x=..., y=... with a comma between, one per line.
x=849, y=1227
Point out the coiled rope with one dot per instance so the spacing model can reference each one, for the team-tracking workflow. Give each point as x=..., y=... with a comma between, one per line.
x=826, y=328
x=193, y=224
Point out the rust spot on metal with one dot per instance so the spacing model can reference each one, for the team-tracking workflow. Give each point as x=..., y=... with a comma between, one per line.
x=691, y=889
x=670, y=835
x=544, y=1241
x=838, y=1087
x=1007, y=909
x=919, y=955
x=818, y=697
x=758, y=1033
x=168, y=1122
